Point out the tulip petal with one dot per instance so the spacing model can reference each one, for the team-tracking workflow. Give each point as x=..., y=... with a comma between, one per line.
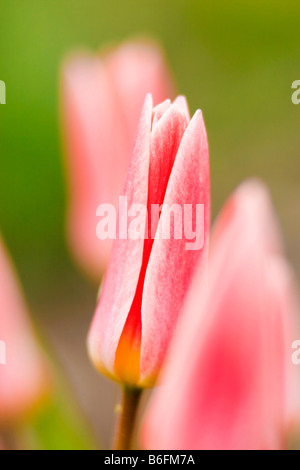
x=24, y=379
x=283, y=322
x=183, y=104
x=218, y=383
x=170, y=263
x=252, y=195
x=165, y=139
x=102, y=100
x=159, y=111
x=138, y=68
x=87, y=93
x=125, y=265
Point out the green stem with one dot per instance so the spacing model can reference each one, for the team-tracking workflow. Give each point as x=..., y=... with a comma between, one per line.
x=126, y=421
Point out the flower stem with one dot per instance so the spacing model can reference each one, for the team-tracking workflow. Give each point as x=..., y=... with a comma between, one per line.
x=126, y=421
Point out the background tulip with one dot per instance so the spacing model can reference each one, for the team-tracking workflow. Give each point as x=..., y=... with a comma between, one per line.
x=24, y=378
x=147, y=279
x=225, y=384
x=102, y=97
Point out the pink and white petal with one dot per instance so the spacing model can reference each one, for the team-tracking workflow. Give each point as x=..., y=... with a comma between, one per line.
x=138, y=68
x=122, y=277
x=183, y=104
x=24, y=379
x=166, y=137
x=170, y=263
x=96, y=145
x=159, y=110
x=252, y=194
x=284, y=323
x=217, y=361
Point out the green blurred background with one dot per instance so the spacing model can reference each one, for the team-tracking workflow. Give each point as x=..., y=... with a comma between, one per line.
x=236, y=60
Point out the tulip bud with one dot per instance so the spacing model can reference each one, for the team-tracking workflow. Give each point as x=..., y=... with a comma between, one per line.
x=148, y=275
x=102, y=97
x=24, y=379
x=225, y=384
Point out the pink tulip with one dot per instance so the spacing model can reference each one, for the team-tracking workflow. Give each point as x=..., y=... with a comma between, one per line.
x=147, y=279
x=102, y=99
x=225, y=383
x=24, y=380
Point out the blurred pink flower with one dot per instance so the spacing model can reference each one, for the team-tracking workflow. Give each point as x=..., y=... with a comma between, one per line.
x=102, y=97
x=24, y=378
x=226, y=381
x=147, y=279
